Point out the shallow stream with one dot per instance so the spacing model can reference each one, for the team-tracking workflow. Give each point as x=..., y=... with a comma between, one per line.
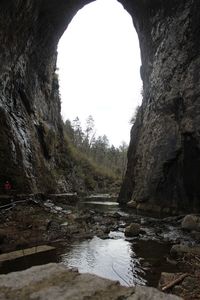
x=131, y=262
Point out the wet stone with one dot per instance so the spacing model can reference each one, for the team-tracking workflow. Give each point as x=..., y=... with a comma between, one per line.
x=132, y=230
x=180, y=250
x=191, y=222
x=132, y=204
x=189, y=283
x=196, y=235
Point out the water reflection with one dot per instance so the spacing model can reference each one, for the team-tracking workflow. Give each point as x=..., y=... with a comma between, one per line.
x=99, y=205
x=112, y=259
x=108, y=203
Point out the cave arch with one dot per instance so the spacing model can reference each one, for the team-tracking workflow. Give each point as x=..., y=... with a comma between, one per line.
x=164, y=149
x=99, y=69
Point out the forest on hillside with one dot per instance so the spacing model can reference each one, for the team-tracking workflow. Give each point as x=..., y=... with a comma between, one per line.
x=96, y=148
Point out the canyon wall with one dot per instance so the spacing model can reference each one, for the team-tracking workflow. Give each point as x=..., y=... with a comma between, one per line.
x=33, y=154
x=164, y=154
x=30, y=131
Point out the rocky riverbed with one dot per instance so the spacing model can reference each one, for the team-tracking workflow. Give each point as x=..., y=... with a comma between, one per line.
x=162, y=247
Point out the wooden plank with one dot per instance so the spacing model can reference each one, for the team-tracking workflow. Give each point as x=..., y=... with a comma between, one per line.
x=25, y=252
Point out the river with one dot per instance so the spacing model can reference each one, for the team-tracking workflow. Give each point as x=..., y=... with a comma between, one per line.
x=130, y=261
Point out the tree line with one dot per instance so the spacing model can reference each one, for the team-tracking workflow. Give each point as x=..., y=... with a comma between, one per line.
x=97, y=148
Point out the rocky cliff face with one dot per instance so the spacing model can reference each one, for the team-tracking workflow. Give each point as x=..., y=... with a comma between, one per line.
x=29, y=103
x=164, y=153
x=33, y=154
x=164, y=160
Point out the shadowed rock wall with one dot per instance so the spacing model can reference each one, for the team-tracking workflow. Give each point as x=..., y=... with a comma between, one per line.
x=163, y=159
x=29, y=101
x=164, y=154
x=31, y=147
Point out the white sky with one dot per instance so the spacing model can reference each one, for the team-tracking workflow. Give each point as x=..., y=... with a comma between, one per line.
x=99, y=69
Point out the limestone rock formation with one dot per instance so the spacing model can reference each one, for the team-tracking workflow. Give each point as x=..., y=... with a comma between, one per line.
x=164, y=153
x=31, y=134
x=34, y=155
x=163, y=158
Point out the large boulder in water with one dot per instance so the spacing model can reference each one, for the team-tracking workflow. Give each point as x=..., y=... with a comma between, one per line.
x=132, y=230
x=191, y=222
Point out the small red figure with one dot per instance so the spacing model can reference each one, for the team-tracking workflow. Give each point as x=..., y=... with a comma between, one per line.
x=7, y=186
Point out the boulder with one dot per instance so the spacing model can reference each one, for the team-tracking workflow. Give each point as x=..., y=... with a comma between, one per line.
x=180, y=250
x=54, y=281
x=132, y=204
x=132, y=230
x=191, y=222
x=196, y=235
x=149, y=207
x=149, y=293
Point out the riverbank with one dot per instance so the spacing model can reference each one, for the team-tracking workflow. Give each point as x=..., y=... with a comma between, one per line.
x=64, y=224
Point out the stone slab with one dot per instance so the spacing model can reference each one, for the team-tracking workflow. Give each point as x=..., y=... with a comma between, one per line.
x=24, y=252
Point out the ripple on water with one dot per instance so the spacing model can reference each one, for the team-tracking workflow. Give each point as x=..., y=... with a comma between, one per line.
x=112, y=259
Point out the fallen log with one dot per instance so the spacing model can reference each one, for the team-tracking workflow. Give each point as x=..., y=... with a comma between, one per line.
x=174, y=282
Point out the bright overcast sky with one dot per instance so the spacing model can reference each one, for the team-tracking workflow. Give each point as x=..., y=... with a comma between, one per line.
x=99, y=69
